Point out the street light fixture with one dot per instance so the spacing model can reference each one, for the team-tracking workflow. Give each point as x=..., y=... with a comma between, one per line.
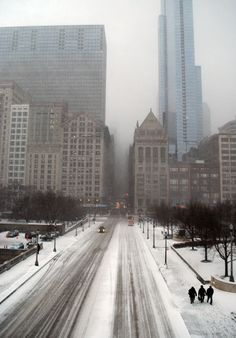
x=54, y=249
x=165, y=247
x=37, y=248
x=153, y=236
x=231, y=229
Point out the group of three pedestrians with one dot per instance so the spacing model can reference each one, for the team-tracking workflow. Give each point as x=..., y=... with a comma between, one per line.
x=201, y=294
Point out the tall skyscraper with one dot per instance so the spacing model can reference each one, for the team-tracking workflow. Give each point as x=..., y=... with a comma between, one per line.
x=180, y=94
x=58, y=63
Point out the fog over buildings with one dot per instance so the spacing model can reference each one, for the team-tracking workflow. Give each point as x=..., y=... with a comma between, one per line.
x=132, y=52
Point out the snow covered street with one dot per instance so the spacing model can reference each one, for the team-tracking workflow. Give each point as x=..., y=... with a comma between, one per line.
x=109, y=285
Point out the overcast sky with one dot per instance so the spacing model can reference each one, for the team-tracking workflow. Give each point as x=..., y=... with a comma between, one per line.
x=132, y=55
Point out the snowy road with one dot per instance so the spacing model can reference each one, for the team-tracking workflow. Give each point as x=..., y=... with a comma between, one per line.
x=139, y=310
x=103, y=285
x=51, y=309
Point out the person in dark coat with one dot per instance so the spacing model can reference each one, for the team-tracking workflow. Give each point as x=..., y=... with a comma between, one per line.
x=201, y=294
x=209, y=294
x=192, y=294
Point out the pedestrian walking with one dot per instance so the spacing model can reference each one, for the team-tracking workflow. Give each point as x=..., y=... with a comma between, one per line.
x=192, y=294
x=209, y=294
x=201, y=294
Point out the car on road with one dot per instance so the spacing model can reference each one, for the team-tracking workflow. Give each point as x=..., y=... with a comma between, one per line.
x=16, y=246
x=101, y=229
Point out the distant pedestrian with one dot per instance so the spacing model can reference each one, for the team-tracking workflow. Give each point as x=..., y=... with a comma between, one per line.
x=192, y=294
x=201, y=294
x=209, y=294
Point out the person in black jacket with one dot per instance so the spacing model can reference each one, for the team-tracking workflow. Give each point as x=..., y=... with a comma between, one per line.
x=209, y=294
x=192, y=294
x=201, y=294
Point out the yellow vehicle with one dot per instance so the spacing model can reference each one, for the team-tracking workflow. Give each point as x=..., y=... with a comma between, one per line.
x=130, y=220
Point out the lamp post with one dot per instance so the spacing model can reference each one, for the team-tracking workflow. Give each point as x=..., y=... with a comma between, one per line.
x=54, y=249
x=165, y=247
x=89, y=213
x=37, y=249
x=153, y=236
x=76, y=226
x=231, y=229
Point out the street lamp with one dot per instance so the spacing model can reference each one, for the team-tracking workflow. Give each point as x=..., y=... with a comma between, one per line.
x=89, y=213
x=231, y=229
x=37, y=248
x=76, y=226
x=165, y=247
x=54, y=249
x=153, y=236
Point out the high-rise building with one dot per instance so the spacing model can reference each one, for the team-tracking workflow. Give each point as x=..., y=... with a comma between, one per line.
x=180, y=94
x=86, y=159
x=150, y=165
x=55, y=63
x=16, y=172
x=44, y=151
x=10, y=94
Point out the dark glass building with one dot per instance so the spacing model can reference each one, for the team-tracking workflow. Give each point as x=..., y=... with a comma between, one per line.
x=58, y=63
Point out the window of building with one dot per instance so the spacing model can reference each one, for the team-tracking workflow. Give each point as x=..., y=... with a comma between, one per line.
x=163, y=155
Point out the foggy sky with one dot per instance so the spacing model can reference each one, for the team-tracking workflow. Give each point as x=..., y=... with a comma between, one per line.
x=132, y=54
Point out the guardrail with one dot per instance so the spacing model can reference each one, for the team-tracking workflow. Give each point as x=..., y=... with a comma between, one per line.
x=11, y=262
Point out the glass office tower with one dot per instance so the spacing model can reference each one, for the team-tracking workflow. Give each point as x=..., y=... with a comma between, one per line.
x=58, y=63
x=180, y=93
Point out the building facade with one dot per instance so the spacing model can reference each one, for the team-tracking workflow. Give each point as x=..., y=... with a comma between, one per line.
x=84, y=159
x=150, y=158
x=219, y=150
x=19, y=120
x=193, y=182
x=44, y=151
x=180, y=93
x=10, y=93
x=55, y=63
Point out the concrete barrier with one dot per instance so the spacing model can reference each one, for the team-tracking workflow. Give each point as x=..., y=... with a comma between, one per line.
x=20, y=257
x=199, y=277
x=223, y=285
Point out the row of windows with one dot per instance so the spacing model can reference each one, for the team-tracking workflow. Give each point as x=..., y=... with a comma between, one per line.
x=151, y=153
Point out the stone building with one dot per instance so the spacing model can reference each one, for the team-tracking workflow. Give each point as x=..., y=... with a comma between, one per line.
x=44, y=153
x=191, y=182
x=10, y=93
x=150, y=165
x=87, y=148
x=219, y=151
